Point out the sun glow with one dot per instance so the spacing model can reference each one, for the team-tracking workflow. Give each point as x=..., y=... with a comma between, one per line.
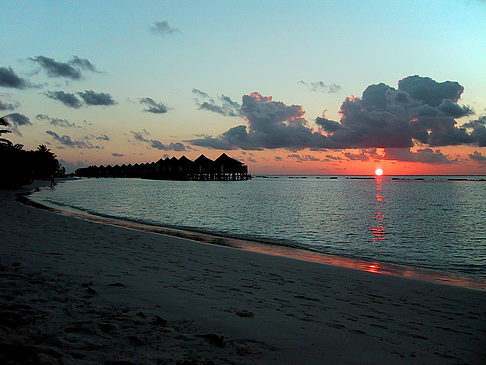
x=378, y=172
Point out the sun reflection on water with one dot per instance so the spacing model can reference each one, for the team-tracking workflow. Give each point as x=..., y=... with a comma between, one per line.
x=374, y=268
x=377, y=229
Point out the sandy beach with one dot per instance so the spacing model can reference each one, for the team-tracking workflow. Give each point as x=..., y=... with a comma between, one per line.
x=78, y=292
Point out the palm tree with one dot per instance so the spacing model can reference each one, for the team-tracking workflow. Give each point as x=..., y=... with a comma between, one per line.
x=42, y=148
x=14, y=162
x=4, y=122
x=6, y=142
x=46, y=164
x=19, y=167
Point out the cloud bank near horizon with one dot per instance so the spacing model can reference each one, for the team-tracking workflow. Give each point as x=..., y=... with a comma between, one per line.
x=153, y=143
x=68, y=141
x=420, y=110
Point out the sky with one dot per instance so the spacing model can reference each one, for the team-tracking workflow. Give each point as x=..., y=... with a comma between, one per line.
x=287, y=87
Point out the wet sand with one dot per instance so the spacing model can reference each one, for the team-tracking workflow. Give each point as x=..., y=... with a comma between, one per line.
x=81, y=292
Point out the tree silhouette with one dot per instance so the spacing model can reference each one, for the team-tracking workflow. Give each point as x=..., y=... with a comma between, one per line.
x=46, y=164
x=42, y=148
x=4, y=122
x=19, y=167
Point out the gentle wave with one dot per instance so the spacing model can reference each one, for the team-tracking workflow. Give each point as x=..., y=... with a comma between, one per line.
x=432, y=224
x=266, y=240
x=279, y=250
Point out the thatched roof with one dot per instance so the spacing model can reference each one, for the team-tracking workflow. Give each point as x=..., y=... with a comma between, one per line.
x=225, y=160
x=203, y=161
x=224, y=167
x=184, y=161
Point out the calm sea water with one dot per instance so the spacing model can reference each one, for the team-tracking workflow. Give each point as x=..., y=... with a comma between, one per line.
x=433, y=223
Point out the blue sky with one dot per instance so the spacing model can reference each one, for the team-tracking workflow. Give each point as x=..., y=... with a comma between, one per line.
x=234, y=48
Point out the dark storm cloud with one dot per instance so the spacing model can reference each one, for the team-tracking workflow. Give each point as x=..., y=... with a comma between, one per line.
x=153, y=143
x=224, y=105
x=271, y=125
x=116, y=154
x=8, y=78
x=169, y=147
x=163, y=28
x=425, y=155
x=153, y=106
x=16, y=120
x=429, y=91
x=328, y=125
x=454, y=110
x=138, y=136
x=362, y=156
x=71, y=69
x=302, y=158
x=57, y=69
x=478, y=157
x=331, y=157
x=83, y=63
x=101, y=137
x=478, y=130
x=58, y=122
x=69, y=142
x=420, y=111
x=68, y=99
x=8, y=106
x=92, y=98
x=320, y=86
x=478, y=123
x=226, y=108
x=200, y=93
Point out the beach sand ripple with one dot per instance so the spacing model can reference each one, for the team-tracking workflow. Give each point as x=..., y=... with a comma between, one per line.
x=77, y=292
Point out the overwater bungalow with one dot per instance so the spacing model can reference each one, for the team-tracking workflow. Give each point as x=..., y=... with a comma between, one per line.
x=224, y=168
x=227, y=168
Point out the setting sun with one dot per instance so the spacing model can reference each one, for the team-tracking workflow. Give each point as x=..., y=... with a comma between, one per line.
x=378, y=172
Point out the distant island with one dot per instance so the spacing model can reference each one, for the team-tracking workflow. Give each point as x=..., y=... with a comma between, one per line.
x=224, y=168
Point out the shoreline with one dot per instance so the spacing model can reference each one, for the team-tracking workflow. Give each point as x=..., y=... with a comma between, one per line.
x=271, y=248
x=79, y=292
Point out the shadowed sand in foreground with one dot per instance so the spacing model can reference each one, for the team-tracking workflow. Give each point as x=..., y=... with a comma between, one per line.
x=78, y=292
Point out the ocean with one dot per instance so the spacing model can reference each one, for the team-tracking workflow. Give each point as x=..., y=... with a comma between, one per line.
x=426, y=222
